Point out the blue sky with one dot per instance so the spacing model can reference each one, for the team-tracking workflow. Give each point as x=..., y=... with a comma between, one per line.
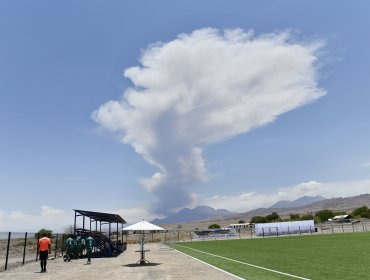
x=61, y=60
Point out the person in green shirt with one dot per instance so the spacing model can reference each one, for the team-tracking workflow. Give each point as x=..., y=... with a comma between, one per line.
x=89, y=245
x=78, y=246
x=82, y=247
x=75, y=247
x=69, y=248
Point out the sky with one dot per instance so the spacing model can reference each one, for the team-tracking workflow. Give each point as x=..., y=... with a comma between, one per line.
x=142, y=108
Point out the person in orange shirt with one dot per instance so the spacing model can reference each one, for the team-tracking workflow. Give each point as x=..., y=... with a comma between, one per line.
x=45, y=249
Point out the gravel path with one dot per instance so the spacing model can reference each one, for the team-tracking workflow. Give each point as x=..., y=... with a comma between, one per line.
x=164, y=265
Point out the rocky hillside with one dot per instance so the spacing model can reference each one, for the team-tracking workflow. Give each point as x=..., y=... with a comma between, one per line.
x=189, y=215
x=337, y=204
x=302, y=201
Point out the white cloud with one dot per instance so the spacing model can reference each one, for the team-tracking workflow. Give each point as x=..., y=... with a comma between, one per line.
x=366, y=164
x=49, y=217
x=203, y=88
x=50, y=212
x=58, y=219
x=251, y=200
x=17, y=215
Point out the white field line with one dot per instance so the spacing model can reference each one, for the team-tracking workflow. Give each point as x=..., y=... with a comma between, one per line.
x=224, y=271
x=253, y=265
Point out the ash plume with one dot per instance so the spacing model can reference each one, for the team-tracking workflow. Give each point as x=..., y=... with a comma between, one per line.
x=203, y=88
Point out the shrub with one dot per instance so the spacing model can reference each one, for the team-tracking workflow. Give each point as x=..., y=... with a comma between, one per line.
x=214, y=226
x=324, y=215
x=294, y=217
x=359, y=212
x=307, y=216
x=273, y=217
x=48, y=233
x=258, y=220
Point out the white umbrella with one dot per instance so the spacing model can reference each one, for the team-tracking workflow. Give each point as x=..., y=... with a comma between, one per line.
x=143, y=226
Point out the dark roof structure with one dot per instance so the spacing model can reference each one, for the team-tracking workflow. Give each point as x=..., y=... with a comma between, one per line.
x=101, y=217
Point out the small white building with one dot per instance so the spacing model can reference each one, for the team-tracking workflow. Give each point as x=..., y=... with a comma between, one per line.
x=240, y=226
x=341, y=219
x=281, y=228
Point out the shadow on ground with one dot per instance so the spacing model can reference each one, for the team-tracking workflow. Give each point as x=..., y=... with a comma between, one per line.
x=141, y=265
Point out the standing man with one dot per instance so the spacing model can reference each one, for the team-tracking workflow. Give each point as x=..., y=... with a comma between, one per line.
x=74, y=248
x=82, y=247
x=79, y=246
x=69, y=245
x=45, y=249
x=89, y=242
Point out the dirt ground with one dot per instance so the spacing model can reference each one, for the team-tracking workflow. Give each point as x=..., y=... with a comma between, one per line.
x=164, y=265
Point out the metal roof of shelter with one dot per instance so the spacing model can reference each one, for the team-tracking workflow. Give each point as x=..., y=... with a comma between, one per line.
x=102, y=217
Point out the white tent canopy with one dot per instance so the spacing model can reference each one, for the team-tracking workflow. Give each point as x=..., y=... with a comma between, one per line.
x=143, y=226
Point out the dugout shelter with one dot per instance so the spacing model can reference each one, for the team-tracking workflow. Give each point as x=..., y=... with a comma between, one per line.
x=105, y=228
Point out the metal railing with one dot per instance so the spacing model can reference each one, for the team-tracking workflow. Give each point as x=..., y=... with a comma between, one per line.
x=18, y=248
x=178, y=235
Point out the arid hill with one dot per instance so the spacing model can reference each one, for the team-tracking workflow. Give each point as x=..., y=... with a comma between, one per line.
x=338, y=204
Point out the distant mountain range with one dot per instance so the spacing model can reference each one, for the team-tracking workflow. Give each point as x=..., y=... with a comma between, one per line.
x=305, y=204
x=302, y=201
x=189, y=215
x=336, y=204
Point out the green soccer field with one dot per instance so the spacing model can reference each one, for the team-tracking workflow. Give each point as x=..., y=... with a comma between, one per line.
x=337, y=257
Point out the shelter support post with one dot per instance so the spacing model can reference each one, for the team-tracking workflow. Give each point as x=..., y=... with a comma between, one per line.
x=7, y=251
x=117, y=234
x=56, y=246
x=74, y=227
x=24, y=247
x=109, y=231
x=38, y=247
x=62, y=247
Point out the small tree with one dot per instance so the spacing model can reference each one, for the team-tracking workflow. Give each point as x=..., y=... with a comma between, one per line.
x=324, y=215
x=359, y=212
x=68, y=230
x=362, y=212
x=273, y=217
x=48, y=233
x=213, y=226
x=241, y=222
x=258, y=220
x=307, y=217
x=294, y=217
x=366, y=214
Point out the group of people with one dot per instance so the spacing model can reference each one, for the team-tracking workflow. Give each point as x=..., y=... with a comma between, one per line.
x=75, y=246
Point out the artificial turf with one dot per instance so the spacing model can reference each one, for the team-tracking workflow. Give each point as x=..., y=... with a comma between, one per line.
x=339, y=256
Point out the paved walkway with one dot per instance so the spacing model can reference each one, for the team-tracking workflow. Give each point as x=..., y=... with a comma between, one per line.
x=164, y=265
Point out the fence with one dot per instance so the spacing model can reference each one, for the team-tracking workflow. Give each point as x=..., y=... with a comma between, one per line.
x=18, y=248
x=332, y=228
x=324, y=228
x=178, y=235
